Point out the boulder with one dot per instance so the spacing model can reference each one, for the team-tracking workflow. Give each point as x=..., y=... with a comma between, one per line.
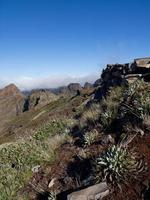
x=95, y=192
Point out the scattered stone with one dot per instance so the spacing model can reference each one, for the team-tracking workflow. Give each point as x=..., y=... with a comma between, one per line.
x=52, y=182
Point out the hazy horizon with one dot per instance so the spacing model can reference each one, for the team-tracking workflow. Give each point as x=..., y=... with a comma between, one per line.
x=26, y=83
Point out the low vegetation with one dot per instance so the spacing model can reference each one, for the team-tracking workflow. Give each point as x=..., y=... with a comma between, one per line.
x=98, y=159
x=18, y=159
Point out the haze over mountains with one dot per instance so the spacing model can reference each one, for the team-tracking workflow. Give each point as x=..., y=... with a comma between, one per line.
x=53, y=81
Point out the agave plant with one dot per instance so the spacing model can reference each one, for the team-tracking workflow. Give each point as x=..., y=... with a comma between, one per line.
x=117, y=165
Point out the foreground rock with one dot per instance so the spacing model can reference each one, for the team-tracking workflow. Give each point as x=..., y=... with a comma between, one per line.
x=95, y=192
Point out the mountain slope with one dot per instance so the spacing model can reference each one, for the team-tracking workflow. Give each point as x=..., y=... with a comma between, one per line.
x=11, y=104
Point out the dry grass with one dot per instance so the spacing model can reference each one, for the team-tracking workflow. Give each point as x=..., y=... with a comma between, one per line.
x=90, y=115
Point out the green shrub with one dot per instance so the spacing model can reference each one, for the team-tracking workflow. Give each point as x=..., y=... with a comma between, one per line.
x=18, y=159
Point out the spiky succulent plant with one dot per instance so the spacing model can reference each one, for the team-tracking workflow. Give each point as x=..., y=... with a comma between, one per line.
x=118, y=164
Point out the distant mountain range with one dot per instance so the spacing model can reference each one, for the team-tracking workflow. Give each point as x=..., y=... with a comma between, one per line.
x=14, y=102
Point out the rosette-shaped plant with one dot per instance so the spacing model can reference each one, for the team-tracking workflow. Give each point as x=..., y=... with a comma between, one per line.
x=117, y=165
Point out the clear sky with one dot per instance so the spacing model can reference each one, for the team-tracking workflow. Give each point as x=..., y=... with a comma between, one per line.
x=51, y=39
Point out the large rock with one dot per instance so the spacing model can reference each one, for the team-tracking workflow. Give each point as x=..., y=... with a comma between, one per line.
x=95, y=192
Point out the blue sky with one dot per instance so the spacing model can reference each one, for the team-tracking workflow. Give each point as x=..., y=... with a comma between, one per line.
x=59, y=39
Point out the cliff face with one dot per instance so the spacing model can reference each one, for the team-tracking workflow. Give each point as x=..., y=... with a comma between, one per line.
x=39, y=98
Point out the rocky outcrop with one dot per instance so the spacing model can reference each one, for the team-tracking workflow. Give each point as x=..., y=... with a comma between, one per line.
x=113, y=75
x=120, y=74
x=39, y=98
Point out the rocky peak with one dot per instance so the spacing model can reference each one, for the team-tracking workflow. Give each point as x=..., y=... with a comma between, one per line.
x=10, y=90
